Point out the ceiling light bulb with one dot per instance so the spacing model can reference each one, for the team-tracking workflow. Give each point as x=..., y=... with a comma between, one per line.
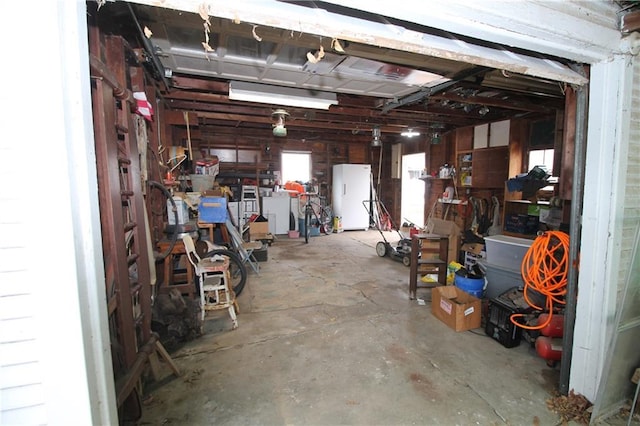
x=409, y=133
x=483, y=111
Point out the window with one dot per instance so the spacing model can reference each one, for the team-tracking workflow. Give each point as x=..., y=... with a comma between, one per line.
x=541, y=145
x=296, y=166
x=412, y=200
x=540, y=157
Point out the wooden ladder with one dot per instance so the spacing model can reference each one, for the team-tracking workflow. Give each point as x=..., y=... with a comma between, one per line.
x=122, y=216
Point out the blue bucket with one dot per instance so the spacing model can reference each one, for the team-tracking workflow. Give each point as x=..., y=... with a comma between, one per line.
x=315, y=230
x=473, y=286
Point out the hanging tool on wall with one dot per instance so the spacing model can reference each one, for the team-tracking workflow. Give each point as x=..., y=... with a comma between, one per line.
x=495, y=227
x=483, y=216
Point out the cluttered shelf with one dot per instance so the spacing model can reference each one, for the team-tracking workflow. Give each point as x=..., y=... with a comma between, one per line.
x=432, y=179
x=525, y=218
x=529, y=202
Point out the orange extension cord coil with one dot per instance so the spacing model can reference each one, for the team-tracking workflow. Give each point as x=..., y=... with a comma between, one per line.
x=544, y=269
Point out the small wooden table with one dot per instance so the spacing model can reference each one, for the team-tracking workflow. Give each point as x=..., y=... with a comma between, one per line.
x=210, y=227
x=171, y=280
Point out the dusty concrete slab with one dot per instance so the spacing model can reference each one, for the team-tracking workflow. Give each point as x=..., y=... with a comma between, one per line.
x=327, y=335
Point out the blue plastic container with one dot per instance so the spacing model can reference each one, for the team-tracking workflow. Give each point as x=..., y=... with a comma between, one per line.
x=473, y=286
x=212, y=209
x=315, y=230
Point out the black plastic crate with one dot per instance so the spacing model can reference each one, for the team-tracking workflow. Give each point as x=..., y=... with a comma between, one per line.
x=499, y=326
x=261, y=255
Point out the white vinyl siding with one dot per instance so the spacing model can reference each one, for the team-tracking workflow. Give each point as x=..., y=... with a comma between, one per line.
x=54, y=347
x=22, y=398
x=620, y=352
x=631, y=213
x=611, y=214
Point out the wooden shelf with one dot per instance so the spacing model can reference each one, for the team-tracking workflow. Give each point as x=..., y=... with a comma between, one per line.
x=440, y=200
x=515, y=234
x=431, y=179
x=539, y=203
x=428, y=257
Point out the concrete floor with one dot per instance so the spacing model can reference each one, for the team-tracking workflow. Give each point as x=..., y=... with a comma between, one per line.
x=327, y=335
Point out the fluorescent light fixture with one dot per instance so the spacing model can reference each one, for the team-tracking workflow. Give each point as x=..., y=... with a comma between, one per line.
x=409, y=133
x=278, y=95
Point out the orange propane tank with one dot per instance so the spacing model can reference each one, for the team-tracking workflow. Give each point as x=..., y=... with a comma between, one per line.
x=555, y=328
x=549, y=348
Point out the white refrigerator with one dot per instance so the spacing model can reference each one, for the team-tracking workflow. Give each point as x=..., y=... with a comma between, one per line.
x=351, y=186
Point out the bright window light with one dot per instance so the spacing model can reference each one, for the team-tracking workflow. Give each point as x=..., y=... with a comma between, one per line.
x=539, y=157
x=296, y=166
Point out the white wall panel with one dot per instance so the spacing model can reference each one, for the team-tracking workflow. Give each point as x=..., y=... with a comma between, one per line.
x=54, y=344
x=608, y=222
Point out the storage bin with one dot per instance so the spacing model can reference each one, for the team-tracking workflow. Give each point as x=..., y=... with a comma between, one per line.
x=499, y=326
x=261, y=255
x=181, y=208
x=294, y=234
x=201, y=183
x=505, y=251
x=499, y=279
x=522, y=224
x=473, y=286
x=212, y=210
x=314, y=228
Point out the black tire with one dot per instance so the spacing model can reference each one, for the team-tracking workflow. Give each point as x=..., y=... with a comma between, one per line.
x=174, y=211
x=307, y=225
x=381, y=249
x=406, y=261
x=326, y=220
x=236, y=268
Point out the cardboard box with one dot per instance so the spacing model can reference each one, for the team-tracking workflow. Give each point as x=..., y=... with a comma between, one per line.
x=256, y=228
x=456, y=308
x=449, y=228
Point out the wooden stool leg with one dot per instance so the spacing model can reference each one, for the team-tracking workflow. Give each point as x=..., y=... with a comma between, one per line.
x=234, y=319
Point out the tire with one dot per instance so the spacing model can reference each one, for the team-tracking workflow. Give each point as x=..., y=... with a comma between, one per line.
x=236, y=268
x=381, y=249
x=326, y=220
x=167, y=195
x=406, y=261
x=307, y=226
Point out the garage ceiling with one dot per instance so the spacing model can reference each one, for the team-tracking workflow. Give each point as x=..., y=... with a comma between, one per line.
x=375, y=86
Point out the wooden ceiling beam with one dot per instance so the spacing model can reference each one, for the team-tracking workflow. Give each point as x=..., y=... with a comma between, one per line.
x=630, y=22
x=184, y=83
x=493, y=102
